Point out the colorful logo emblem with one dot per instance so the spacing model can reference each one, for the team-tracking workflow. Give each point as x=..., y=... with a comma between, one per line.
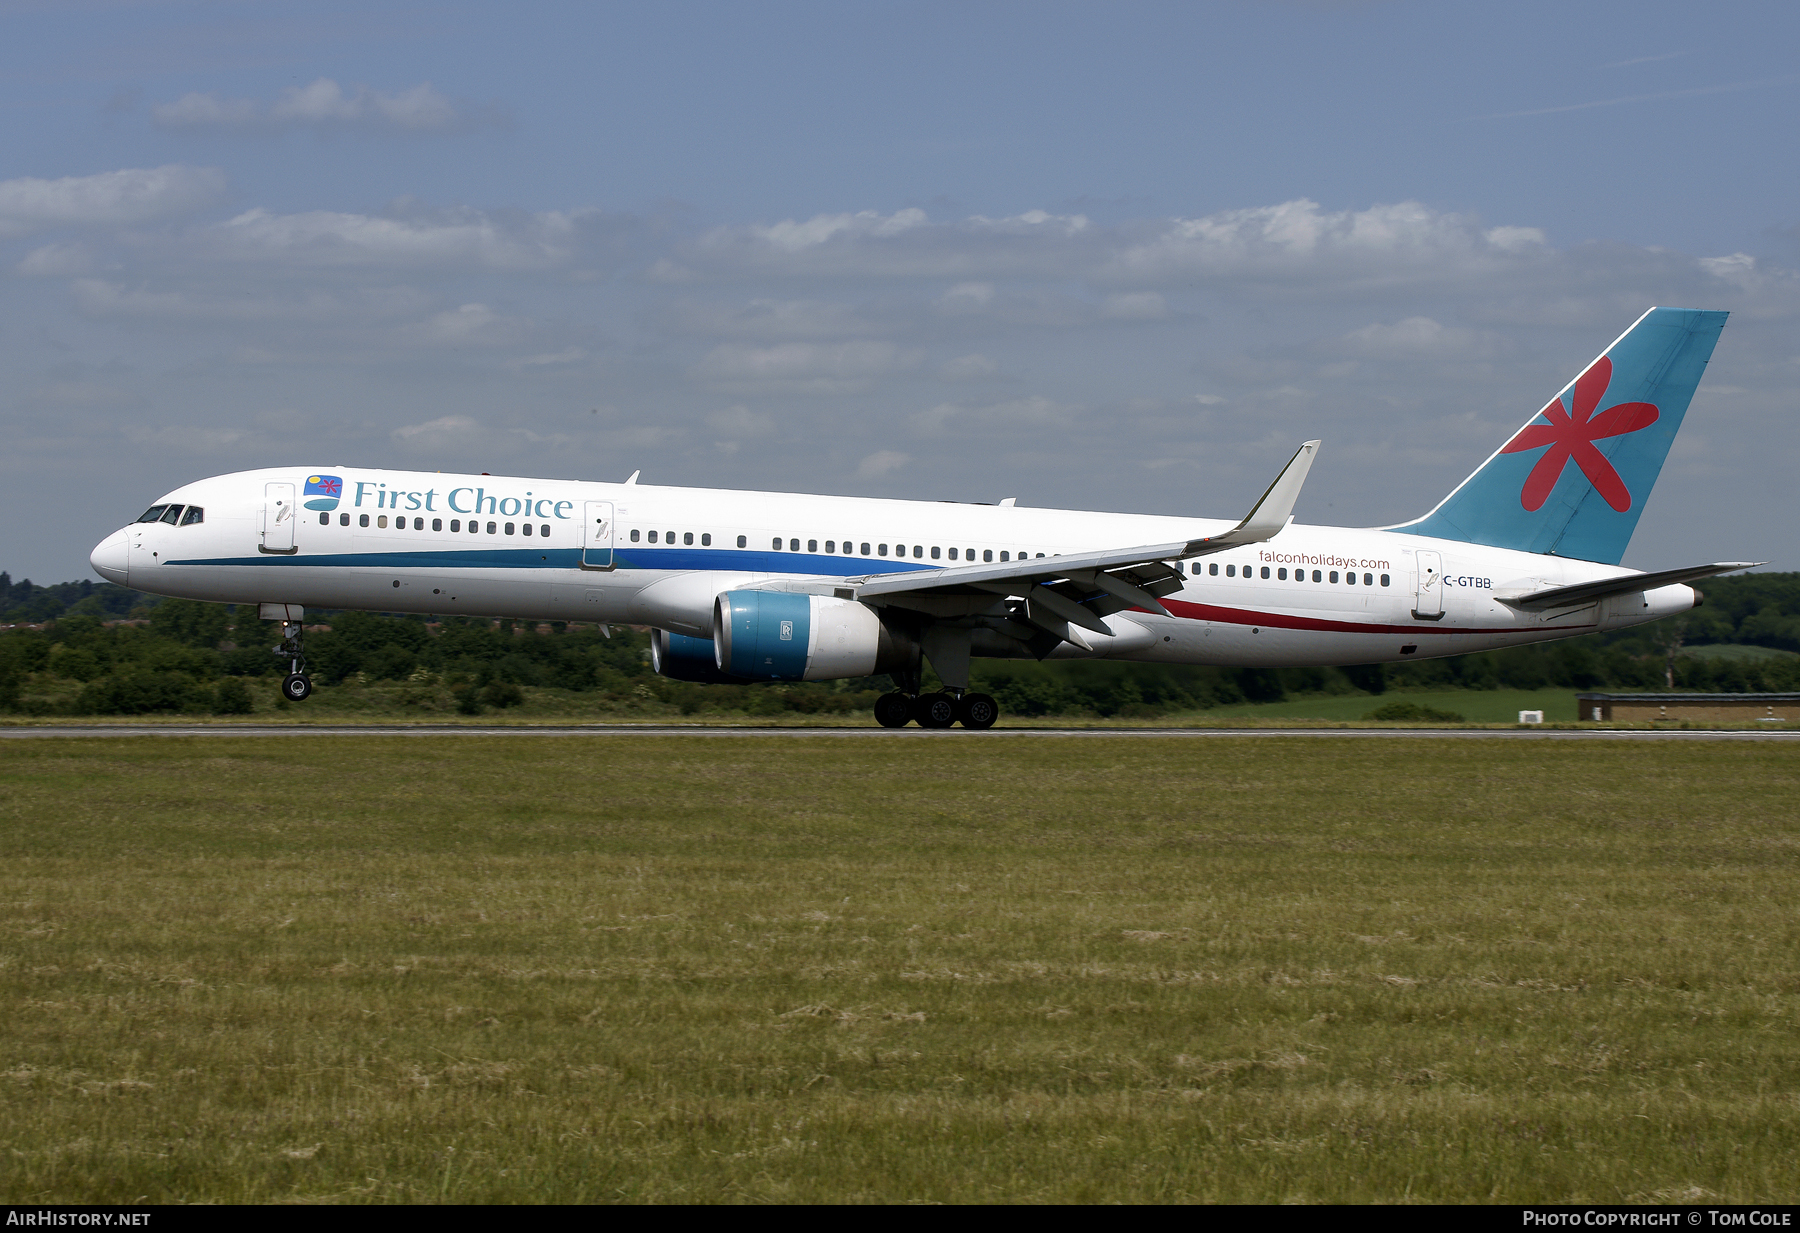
x=1572, y=437
x=325, y=489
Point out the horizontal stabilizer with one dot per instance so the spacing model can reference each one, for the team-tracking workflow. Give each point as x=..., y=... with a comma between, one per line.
x=1588, y=592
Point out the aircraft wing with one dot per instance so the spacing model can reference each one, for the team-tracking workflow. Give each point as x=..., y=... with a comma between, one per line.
x=1588, y=592
x=1081, y=588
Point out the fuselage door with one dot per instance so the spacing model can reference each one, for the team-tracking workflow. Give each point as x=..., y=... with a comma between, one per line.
x=1428, y=601
x=278, y=518
x=597, y=536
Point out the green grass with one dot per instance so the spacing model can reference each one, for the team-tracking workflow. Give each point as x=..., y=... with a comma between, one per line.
x=1740, y=652
x=693, y=969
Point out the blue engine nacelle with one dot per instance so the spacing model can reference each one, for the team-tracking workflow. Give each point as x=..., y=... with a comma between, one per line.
x=782, y=636
x=681, y=658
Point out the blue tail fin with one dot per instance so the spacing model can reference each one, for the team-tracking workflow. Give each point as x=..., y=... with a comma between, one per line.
x=1573, y=481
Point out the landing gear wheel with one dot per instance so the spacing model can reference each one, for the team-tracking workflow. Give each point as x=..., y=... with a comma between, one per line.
x=935, y=710
x=296, y=688
x=977, y=711
x=893, y=710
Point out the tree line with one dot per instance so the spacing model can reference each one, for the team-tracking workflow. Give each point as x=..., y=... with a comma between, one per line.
x=86, y=648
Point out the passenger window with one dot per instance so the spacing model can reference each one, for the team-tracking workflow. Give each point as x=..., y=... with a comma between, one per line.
x=1334, y=575
x=437, y=524
x=509, y=528
x=526, y=528
x=196, y=514
x=793, y=545
x=936, y=555
x=987, y=554
x=1231, y=571
x=343, y=520
x=1004, y=556
x=1265, y=571
x=491, y=528
x=153, y=514
x=1040, y=556
x=1368, y=580
x=456, y=524
x=865, y=550
x=968, y=554
x=1213, y=569
x=1384, y=580
x=831, y=545
x=1317, y=577
x=881, y=549
x=953, y=554
x=418, y=524
x=668, y=537
x=812, y=545
x=362, y=520
x=653, y=537
x=172, y=515
x=1350, y=577
x=919, y=550
x=474, y=527
x=743, y=541
x=687, y=537
x=1281, y=575
x=777, y=543
x=381, y=522
x=324, y=520
x=634, y=534
x=706, y=539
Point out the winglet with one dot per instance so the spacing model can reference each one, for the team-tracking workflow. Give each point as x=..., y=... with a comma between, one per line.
x=1273, y=511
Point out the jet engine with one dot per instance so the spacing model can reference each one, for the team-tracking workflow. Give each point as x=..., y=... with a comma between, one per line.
x=681, y=658
x=783, y=636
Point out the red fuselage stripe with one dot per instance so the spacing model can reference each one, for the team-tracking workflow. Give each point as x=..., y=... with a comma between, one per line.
x=1279, y=620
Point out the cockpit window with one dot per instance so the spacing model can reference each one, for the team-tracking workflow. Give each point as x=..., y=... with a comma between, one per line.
x=194, y=514
x=172, y=515
x=154, y=513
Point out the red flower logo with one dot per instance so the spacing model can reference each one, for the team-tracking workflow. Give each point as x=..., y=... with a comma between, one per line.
x=1573, y=436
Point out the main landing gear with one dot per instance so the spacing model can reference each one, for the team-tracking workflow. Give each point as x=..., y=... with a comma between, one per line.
x=940, y=710
x=296, y=686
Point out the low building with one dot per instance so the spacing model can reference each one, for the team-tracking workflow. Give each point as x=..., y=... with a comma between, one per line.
x=1704, y=708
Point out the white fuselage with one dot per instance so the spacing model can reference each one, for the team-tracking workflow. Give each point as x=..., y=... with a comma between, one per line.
x=433, y=543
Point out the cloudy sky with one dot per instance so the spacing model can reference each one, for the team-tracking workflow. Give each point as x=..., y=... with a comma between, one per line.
x=1120, y=256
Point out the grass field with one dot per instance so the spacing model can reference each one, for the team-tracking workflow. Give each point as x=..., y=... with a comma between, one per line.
x=691, y=969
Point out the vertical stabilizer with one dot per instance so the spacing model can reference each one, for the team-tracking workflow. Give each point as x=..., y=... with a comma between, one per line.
x=1573, y=481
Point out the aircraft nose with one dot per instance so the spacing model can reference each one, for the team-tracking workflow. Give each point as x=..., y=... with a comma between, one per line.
x=109, y=557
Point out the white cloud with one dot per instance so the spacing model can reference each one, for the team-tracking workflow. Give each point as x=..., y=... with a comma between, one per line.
x=445, y=432
x=470, y=325
x=768, y=320
x=1419, y=337
x=881, y=462
x=741, y=421
x=58, y=261
x=968, y=368
x=454, y=238
x=110, y=198
x=804, y=362
x=101, y=298
x=1015, y=415
x=1135, y=306
x=323, y=103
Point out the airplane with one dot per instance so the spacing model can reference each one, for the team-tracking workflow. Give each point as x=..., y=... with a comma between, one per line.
x=769, y=586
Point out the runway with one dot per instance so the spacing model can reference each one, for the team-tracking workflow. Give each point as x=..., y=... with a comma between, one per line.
x=603, y=731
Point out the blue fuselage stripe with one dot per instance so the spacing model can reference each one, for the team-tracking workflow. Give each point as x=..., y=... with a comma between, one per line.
x=634, y=556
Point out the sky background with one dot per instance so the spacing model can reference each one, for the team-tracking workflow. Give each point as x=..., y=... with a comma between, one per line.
x=1120, y=256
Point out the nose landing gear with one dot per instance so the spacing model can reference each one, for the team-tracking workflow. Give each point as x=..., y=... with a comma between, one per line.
x=296, y=686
